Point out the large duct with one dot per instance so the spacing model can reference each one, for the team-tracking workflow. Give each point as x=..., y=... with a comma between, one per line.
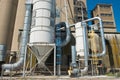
x=73, y=50
x=85, y=42
x=68, y=36
x=25, y=34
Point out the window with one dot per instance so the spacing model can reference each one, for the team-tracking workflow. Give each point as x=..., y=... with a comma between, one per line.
x=105, y=6
x=74, y=2
x=106, y=15
x=78, y=18
x=79, y=9
x=108, y=23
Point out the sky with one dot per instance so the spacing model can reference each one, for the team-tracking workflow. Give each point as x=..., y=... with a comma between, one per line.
x=116, y=8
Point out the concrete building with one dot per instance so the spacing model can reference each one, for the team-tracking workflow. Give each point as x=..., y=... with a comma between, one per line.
x=18, y=25
x=8, y=10
x=61, y=6
x=80, y=12
x=75, y=9
x=105, y=11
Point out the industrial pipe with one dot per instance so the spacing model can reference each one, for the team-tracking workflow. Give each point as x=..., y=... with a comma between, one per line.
x=25, y=34
x=68, y=35
x=73, y=54
x=75, y=69
x=85, y=42
x=102, y=36
x=86, y=52
x=59, y=42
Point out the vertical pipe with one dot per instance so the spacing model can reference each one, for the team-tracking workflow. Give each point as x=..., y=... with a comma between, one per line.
x=25, y=34
x=102, y=37
x=58, y=48
x=54, y=60
x=59, y=42
x=85, y=47
x=24, y=65
x=73, y=54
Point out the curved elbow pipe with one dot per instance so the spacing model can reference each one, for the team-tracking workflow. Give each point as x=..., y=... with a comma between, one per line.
x=84, y=70
x=102, y=36
x=25, y=34
x=68, y=36
x=13, y=66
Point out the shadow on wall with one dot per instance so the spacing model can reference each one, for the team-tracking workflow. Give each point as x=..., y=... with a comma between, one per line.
x=109, y=52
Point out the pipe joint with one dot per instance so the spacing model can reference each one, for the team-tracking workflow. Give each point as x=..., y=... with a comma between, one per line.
x=68, y=35
x=83, y=71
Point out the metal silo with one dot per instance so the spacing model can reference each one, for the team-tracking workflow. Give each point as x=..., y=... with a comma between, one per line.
x=42, y=29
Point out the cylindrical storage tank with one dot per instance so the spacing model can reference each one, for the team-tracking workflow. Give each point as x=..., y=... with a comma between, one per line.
x=7, y=11
x=79, y=39
x=42, y=29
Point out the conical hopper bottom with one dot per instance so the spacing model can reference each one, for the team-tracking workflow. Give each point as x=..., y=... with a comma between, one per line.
x=41, y=52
